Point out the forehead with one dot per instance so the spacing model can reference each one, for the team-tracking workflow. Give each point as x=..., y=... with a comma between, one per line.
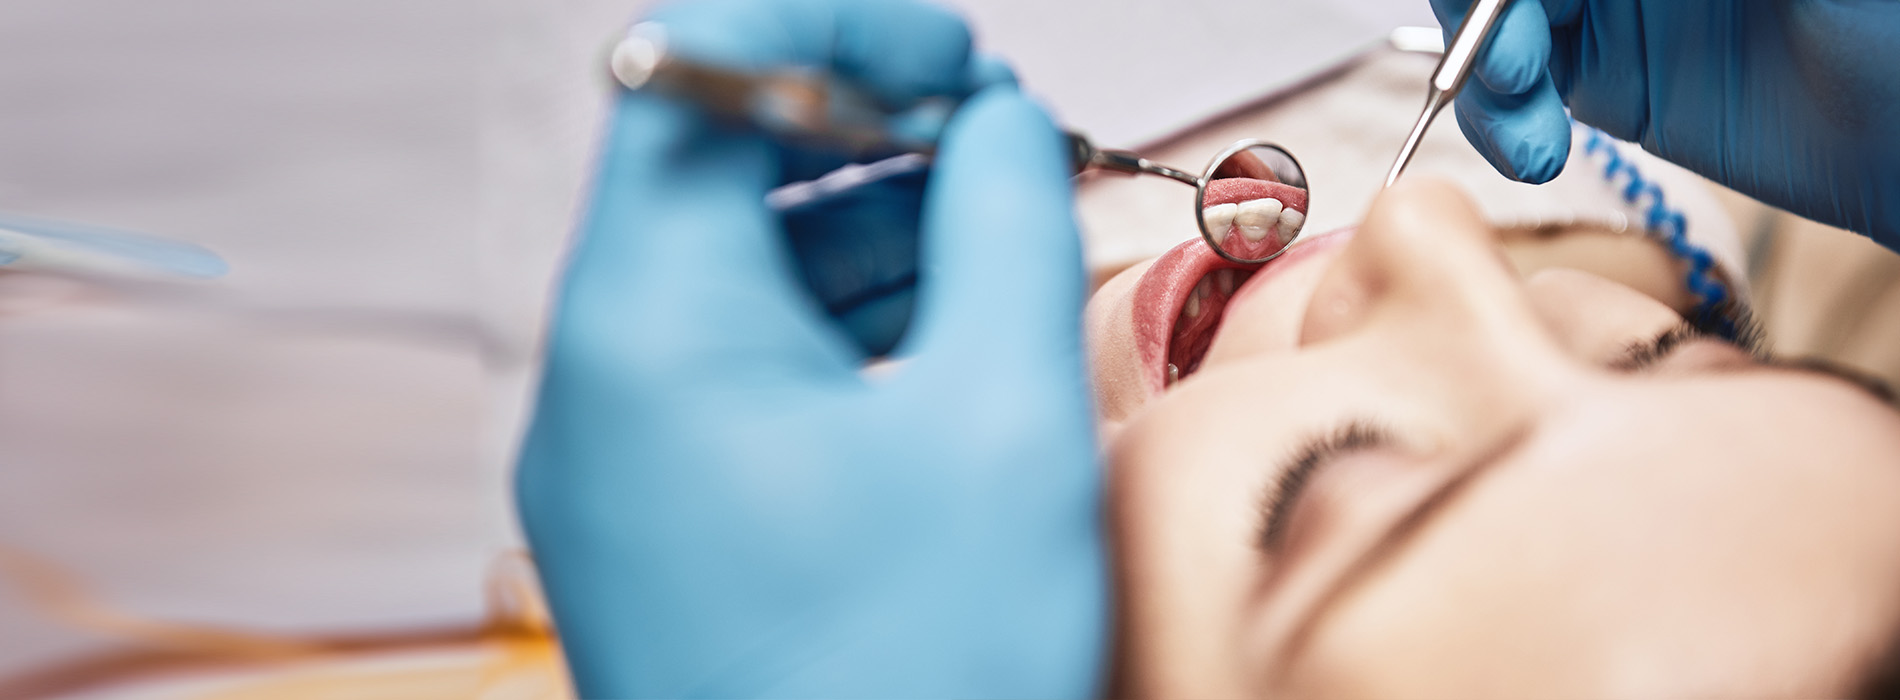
x=1655, y=533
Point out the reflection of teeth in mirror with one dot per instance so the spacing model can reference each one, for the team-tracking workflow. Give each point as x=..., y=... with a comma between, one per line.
x=1219, y=218
x=1290, y=222
x=1257, y=217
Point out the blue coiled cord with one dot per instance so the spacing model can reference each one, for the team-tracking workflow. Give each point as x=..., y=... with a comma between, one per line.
x=1666, y=224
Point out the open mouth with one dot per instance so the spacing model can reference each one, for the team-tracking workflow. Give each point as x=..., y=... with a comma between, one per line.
x=1200, y=317
x=1178, y=307
x=1182, y=299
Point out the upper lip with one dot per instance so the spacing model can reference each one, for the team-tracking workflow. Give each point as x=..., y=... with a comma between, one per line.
x=1240, y=189
x=1163, y=290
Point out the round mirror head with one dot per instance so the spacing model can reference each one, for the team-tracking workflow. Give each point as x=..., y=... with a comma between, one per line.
x=1251, y=202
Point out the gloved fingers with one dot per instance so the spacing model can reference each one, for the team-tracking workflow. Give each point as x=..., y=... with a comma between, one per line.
x=924, y=123
x=1602, y=71
x=987, y=69
x=682, y=272
x=858, y=255
x=1513, y=59
x=1563, y=13
x=858, y=252
x=1001, y=280
x=900, y=50
x=1526, y=137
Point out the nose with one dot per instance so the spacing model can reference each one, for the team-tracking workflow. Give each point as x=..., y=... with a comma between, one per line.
x=1426, y=272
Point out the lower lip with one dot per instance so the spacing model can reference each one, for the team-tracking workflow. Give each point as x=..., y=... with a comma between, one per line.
x=1163, y=289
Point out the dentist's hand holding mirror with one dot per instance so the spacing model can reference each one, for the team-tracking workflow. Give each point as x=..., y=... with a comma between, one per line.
x=720, y=501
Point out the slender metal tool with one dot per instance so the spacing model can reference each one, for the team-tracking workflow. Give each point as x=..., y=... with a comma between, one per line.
x=809, y=106
x=817, y=108
x=797, y=104
x=1085, y=156
x=1450, y=76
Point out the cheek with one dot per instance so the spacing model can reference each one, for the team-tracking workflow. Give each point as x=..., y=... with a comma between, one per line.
x=1187, y=481
x=1114, y=362
x=1183, y=500
x=1594, y=319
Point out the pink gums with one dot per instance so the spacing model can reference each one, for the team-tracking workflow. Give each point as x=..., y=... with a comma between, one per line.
x=1234, y=190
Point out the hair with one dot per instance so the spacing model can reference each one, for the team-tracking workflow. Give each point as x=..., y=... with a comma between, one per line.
x=1882, y=679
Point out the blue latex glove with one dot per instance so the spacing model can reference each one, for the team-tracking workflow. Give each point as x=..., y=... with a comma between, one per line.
x=1793, y=102
x=719, y=502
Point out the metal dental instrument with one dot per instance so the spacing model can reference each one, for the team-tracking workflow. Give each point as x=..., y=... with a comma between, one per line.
x=812, y=107
x=807, y=106
x=1461, y=55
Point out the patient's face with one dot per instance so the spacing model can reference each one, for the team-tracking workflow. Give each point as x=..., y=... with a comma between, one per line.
x=1397, y=468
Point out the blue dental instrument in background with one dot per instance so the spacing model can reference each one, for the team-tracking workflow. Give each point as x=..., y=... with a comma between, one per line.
x=29, y=244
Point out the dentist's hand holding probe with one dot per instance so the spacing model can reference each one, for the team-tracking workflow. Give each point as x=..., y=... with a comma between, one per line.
x=720, y=503
x=1793, y=102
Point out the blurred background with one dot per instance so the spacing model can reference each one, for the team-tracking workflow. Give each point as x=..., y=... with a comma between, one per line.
x=320, y=442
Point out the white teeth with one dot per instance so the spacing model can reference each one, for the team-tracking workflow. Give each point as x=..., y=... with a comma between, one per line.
x=1224, y=280
x=1202, y=290
x=1219, y=218
x=1290, y=222
x=1257, y=216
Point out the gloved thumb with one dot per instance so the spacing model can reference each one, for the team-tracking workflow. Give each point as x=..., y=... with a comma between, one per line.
x=1000, y=277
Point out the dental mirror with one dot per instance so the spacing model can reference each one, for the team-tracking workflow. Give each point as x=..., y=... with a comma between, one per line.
x=1251, y=202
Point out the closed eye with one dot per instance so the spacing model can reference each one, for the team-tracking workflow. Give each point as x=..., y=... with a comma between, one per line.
x=1639, y=356
x=1646, y=354
x=1278, y=503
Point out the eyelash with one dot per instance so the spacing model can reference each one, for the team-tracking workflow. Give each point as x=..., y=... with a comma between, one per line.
x=1749, y=340
x=1645, y=354
x=1278, y=504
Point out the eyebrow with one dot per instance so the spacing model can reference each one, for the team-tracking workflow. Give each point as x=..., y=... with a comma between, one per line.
x=1752, y=339
x=1641, y=355
x=1874, y=385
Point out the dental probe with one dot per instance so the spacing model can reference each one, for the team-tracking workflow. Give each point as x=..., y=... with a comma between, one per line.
x=813, y=107
x=1461, y=55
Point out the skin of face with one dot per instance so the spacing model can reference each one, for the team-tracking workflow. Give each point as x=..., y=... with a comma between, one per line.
x=1531, y=522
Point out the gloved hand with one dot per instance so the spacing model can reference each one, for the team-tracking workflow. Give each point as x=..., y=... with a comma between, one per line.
x=720, y=502
x=1793, y=102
